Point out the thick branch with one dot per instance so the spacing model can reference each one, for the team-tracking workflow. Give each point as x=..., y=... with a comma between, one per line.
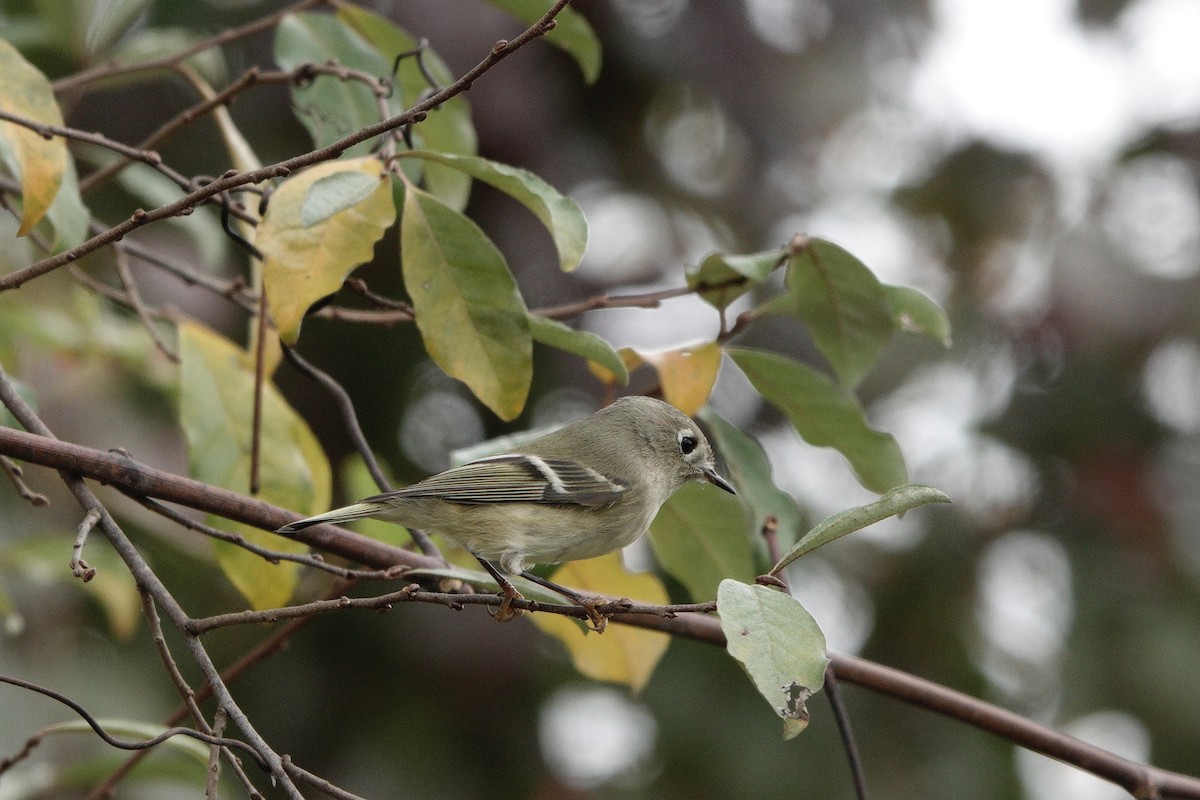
x=121, y=470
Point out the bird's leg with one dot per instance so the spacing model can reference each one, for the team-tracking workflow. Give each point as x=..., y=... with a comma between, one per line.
x=506, y=612
x=589, y=604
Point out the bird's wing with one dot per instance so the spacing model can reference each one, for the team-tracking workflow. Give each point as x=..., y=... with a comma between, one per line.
x=514, y=478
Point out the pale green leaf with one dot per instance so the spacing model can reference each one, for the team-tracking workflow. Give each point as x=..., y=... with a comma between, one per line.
x=842, y=303
x=447, y=128
x=328, y=106
x=915, y=312
x=560, y=214
x=302, y=264
x=700, y=538
x=572, y=33
x=216, y=407
x=553, y=333
x=468, y=309
x=779, y=645
x=894, y=502
x=720, y=279
x=335, y=193
x=825, y=415
x=39, y=163
x=136, y=730
x=750, y=471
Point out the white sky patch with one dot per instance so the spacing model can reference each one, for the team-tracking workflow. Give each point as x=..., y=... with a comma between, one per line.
x=1024, y=74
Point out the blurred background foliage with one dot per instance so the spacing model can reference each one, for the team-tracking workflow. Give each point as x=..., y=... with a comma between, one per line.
x=1032, y=165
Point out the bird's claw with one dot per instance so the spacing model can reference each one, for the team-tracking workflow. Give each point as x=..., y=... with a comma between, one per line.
x=596, y=620
x=506, y=612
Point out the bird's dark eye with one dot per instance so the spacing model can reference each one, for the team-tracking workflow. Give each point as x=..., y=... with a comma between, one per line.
x=687, y=444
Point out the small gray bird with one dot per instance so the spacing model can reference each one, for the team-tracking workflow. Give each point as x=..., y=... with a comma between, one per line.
x=587, y=489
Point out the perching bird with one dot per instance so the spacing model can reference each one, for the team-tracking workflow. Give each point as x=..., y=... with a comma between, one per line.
x=589, y=488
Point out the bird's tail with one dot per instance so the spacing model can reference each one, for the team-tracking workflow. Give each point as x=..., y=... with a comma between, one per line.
x=338, y=515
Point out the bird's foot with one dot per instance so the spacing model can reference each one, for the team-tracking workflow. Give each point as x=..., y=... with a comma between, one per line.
x=506, y=612
x=591, y=606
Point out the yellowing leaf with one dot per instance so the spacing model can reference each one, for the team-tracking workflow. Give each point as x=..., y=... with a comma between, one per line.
x=553, y=333
x=468, y=309
x=629, y=358
x=215, y=407
x=687, y=374
x=303, y=264
x=623, y=654
x=39, y=163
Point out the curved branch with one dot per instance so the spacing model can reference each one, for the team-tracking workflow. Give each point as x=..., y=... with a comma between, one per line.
x=113, y=468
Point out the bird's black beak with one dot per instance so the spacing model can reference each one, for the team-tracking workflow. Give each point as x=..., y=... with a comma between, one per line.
x=710, y=475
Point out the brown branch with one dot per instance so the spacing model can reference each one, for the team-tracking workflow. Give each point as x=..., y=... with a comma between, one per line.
x=112, y=468
x=113, y=69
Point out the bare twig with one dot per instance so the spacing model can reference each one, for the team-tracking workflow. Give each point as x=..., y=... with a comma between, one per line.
x=126, y=744
x=15, y=474
x=121, y=261
x=114, y=69
x=80, y=568
x=313, y=560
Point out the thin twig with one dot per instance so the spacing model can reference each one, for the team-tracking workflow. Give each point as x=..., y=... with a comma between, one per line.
x=269, y=647
x=80, y=568
x=15, y=474
x=313, y=560
x=127, y=744
x=185, y=690
x=350, y=419
x=121, y=261
x=414, y=593
x=113, y=69
x=146, y=578
x=260, y=350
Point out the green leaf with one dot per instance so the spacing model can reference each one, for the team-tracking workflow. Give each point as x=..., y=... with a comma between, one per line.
x=330, y=107
x=67, y=215
x=468, y=309
x=215, y=409
x=895, y=501
x=335, y=193
x=915, y=312
x=197, y=750
x=553, y=333
x=103, y=23
x=572, y=33
x=561, y=216
x=750, y=472
x=448, y=128
x=303, y=263
x=699, y=536
x=842, y=303
x=779, y=645
x=39, y=163
x=825, y=415
x=735, y=275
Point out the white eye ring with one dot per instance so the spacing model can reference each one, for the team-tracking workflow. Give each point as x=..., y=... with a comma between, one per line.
x=687, y=442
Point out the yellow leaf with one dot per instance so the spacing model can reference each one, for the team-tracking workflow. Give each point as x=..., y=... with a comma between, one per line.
x=687, y=374
x=623, y=654
x=303, y=263
x=216, y=406
x=629, y=357
x=39, y=163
